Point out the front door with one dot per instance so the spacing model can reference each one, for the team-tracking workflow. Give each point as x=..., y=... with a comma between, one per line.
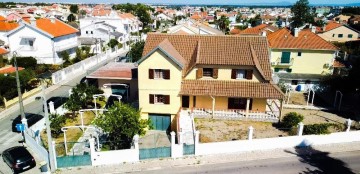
x=185, y=101
x=237, y=103
x=160, y=121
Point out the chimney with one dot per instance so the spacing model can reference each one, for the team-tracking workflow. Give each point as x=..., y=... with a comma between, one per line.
x=32, y=21
x=52, y=19
x=249, y=25
x=263, y=33
x=313, y=29
x=296, y=32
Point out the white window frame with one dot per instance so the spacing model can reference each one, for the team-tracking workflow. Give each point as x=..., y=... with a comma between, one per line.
x=238, y=73
x=159, y=74
x=159, y=99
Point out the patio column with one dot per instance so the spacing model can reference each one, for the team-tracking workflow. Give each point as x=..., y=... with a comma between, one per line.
x=213, y=105
x=280, y=109
x=247, y=107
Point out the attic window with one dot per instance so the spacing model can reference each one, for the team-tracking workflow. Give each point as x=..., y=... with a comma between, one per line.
x=350, y=35
x=208, y=72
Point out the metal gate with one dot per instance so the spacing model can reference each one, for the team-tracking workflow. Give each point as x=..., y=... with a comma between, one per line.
x=160, y=121
x=155, y=145
x=188, y=146
x=188, y=149
x=79, y=155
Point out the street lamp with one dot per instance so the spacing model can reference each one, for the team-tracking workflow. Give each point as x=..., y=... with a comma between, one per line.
x=21, y=105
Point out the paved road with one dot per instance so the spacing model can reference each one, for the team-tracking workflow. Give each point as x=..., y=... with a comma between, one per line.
x=323, y=163
x=9, y=138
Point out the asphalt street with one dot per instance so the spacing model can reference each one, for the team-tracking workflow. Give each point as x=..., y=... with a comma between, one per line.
x=8, y=138
x=319, y=163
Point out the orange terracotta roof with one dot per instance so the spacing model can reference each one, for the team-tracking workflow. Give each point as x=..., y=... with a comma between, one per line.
x=216, y=50
x=196, y=17
x=332, y=25
x=2, y=18
x=9, y=69
x=227, y=88
x=3, y=51
x=235, y=31
x=338, y=64
x=101, y=12
x=114, y=70
x=284, y=39
x=55, y=29
x=254, y=30
x=7, y=26
x=181, y=32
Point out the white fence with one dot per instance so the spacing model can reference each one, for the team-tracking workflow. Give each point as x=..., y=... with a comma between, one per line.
x=35, y=146
x=38, y=126
x=275, y=143
x=114, y=157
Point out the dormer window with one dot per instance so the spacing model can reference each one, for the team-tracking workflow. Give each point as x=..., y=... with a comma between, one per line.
x=241, y=74
x=208, y=72
x=159, y=74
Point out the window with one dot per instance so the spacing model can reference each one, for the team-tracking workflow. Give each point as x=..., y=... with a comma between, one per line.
x=87, y=32
x=350, y=35
x=91, y=32
x=333, y=35
x=299, y=54
x=285, y=57
x=238, y=103
x=31, y=43
x=340, y=35
x=207, y=72
x=276, y=69
x=159, y=74
x=159, y=99
x=294, y=82
x=289, y=70
x=240, y=74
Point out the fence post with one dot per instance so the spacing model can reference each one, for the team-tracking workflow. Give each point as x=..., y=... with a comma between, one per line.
x=181, y=138
x=348, y=124
x=250, y=133
x=300, y=128
x=136, y=141
x=92, y=150
x=51, y=107
x=172, y=133
x=196, y=143
x=54, y=155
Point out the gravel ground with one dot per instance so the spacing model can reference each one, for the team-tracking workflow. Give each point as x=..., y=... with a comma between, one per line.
x=210, y=159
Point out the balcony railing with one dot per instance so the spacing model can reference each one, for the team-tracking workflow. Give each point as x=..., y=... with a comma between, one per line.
x=278, y=62
x=236, y=114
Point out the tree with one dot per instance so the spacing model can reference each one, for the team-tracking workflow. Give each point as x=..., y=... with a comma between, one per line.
x=255, y=21
x=65, y=56
x=122, y=122
x=238, y=17
x=223, y=23
x=82, y=94
x=74, y=8
x=301, y=12
x=136, y=51
x=112, y=43
x=143, y=15
x=71, y=17
x=82, y=12
x=56, y=123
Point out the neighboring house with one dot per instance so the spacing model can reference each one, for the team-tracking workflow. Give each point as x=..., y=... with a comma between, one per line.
x=355, y=20
x=197, y=72
x=117, y=78
x=193, y=27
x=4, y=28
x=15, y=17
x=302, y=54
x=262, y=29
x=335, y=32
x=43, y=39
x=163, y=16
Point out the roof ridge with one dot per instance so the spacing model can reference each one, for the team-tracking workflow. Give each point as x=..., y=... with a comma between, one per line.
x=256, y=61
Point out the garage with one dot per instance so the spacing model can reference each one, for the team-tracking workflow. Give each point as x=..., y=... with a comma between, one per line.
x=160, y=121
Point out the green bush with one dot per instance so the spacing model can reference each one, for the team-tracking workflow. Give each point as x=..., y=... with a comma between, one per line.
x=322, y=128
x=25, y=62
x=57, y=122
x=292, y=119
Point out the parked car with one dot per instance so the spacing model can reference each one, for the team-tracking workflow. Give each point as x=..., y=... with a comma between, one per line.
x=58, y=101
x=18, y=159
x=31, y=120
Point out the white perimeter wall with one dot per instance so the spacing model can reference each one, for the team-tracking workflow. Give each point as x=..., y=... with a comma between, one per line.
x=115, y=157
x=274, y=143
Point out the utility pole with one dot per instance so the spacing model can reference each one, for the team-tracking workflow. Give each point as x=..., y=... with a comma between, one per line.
x=22, y=113
x=48, y=130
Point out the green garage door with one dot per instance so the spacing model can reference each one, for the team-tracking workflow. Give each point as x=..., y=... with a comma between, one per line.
x=160, y=121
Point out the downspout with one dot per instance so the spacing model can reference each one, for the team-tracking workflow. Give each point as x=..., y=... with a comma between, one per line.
x=213, y=105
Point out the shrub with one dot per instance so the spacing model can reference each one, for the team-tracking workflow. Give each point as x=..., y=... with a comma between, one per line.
x=292, y=119
x=25, y=62
x=316, y=129
x=57, y=122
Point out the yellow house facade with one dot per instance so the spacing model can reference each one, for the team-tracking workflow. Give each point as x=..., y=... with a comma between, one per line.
x=340, y=33
x=198, y=73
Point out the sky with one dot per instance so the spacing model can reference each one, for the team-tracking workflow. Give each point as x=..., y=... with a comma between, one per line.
x=225, y=2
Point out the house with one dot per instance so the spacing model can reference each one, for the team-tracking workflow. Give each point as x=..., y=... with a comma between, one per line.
x=43, y=39
x=117, y=78
x=336, y=32
x=4, y=28
x=200, y=73
x=354, y=20
x=193, y=27
x=302, y=54
x=262, y=29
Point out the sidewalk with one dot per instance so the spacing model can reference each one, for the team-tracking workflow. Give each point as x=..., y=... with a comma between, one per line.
x=191, y=161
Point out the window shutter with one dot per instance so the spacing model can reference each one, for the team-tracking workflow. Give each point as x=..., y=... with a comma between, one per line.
x=167, y=99
x=151, y=98
x=151, y=74
x=199, y=73
x=215, y=73
x=166, y=74
x=249, y=74
x=233, y=74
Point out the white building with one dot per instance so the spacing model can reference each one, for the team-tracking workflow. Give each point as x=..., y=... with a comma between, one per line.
x=43, y=39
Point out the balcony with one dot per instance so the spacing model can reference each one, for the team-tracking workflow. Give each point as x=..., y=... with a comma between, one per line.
x=278, y=62
x=69, y=45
